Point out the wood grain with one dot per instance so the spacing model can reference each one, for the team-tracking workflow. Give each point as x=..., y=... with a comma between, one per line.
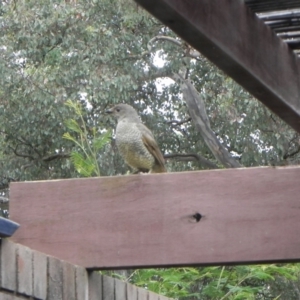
x=39, y=275
x=55, y=279
x=95, y=286
x=8, y=265
x=248, y=216
x=24, y=271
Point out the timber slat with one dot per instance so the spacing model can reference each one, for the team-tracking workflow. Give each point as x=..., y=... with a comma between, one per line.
x=248, y=216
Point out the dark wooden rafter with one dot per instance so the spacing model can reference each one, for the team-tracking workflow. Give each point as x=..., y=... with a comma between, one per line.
x=188, y=218
x=272, y=5
x=233, y=37
x=285, y=23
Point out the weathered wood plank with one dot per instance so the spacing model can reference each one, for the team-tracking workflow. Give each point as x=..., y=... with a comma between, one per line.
x=82, y=285
x=24, y=270
x=95, y=286
x=108, y=288
x=153, y=296
x=8, y=265
x=143, y=294
x=4, y=296
x=132, y=292
x=120, y=290
x=39, y=275
x=55, y=279
x=249, y=216
x=69, y=285
x=242, y=46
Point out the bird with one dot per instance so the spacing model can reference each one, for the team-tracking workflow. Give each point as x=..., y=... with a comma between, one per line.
x=136, y=142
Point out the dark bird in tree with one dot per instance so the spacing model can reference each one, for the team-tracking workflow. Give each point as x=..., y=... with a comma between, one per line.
x=136, y=142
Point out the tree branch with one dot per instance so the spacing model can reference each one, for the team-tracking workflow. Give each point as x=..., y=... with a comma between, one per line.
x=287, y=155
x=56, y=156
x=197, y=110
x=177, y=123
x=24, y=167
x=48, y=158
x=195, y=104
x=23, y=141
x=4, y=182
x=163, y=38
x=21, y=154
x=190, y=52
x=198, y=114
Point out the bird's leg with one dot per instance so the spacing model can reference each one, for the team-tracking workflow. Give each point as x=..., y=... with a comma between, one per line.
x=141, y=171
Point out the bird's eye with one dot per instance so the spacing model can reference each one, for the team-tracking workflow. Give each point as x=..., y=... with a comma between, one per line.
x=117, y=109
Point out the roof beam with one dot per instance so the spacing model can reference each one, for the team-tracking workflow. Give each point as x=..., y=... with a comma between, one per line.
x=248, y=216
x=230, y=35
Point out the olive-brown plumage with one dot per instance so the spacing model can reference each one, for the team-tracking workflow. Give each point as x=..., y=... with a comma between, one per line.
x=136, y=142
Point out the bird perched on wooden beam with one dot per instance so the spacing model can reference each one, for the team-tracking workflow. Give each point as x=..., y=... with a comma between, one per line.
x=136, y=142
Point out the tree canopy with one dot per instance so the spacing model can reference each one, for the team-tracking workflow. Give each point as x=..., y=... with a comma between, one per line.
x=102, y=52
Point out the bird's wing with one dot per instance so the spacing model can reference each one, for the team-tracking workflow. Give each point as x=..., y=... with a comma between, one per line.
x=151, y=145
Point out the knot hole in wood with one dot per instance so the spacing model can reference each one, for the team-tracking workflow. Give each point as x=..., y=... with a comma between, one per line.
x=197, y=217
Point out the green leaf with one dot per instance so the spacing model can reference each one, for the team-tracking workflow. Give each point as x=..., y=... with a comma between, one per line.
x=101, y=141
x=83, y=166
x=75, y=106
x=68, y=136
x=73, y=125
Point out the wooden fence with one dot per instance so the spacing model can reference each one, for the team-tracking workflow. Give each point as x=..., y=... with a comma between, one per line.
x=26, y=273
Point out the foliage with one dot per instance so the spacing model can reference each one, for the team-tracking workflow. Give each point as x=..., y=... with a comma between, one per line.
x=88, y=142
x=99, y=53
x=240, y=282
x=102, y=52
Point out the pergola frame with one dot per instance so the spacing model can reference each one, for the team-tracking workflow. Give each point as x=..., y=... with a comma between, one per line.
x=191, y=218
x=229, y=34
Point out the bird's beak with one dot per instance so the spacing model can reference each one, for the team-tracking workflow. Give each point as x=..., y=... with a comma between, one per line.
x=109, y=111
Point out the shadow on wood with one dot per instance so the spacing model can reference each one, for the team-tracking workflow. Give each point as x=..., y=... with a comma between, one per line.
x=189, y=218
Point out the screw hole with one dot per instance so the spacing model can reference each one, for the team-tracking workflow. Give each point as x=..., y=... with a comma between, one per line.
x=197, y=217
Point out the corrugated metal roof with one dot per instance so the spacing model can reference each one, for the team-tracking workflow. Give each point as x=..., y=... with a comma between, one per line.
x=283, y=16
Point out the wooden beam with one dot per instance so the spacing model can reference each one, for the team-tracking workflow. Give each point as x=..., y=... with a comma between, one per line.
x=231, y=36
x=189, y=218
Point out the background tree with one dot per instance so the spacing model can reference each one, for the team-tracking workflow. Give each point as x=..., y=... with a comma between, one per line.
x=103, y=52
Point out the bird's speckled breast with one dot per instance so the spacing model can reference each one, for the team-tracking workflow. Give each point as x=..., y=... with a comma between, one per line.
x=131, y=147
